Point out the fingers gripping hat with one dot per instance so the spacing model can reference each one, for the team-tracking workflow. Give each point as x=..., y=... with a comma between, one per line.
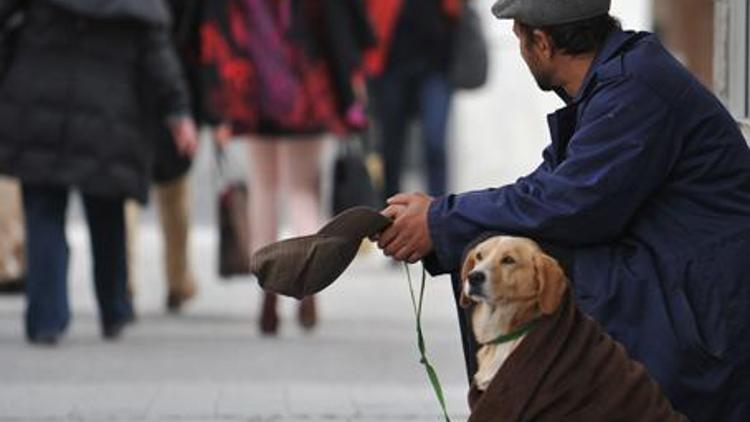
x=305, y=265
x=550, y=12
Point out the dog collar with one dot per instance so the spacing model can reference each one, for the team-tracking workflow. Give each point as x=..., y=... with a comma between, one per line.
x=513, y=335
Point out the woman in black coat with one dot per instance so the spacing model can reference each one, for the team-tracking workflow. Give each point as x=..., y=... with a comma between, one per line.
x=72, y=115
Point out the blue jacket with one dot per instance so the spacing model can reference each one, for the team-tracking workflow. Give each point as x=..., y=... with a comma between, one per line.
x=647, y=185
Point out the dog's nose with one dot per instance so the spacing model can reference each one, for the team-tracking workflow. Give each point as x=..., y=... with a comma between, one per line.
x=476, y=278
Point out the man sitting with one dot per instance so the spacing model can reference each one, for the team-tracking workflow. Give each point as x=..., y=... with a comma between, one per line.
x=644, y=195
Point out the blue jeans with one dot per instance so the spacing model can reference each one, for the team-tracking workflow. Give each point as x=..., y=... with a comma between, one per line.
x=45, y=208
x=397, y=93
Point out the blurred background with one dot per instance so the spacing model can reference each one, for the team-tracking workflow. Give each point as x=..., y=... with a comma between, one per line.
x=211, y=360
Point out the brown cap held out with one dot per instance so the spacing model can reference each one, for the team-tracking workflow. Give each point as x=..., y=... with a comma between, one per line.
x=306, y=265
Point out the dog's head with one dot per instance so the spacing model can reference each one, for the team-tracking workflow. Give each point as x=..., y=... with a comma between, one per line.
x=506, y=269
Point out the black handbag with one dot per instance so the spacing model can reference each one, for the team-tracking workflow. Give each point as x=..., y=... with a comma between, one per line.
x=469, y=62
x=234, y=225
x=352, y=184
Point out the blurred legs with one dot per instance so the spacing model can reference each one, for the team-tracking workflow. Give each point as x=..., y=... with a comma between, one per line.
x=174, y=212
x=106, y=219
x=47, y=311
x=300, y=163
x=435, y=99
x=301, y=166
x=278, y=166
x=132, y=217
x=392, y=111
x=263, y=183
x=12, y=254
x=396, y=95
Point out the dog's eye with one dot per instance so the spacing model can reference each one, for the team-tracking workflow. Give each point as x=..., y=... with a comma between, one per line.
x=508, y=260
x=479, y=256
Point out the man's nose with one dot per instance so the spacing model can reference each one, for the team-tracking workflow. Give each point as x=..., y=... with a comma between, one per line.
x=476, y=278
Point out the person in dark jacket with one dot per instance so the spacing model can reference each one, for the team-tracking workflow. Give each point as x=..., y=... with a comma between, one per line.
x=72, y=116
x=644, y=194
x=172, y=168
x=409, y=77
x=171, y=173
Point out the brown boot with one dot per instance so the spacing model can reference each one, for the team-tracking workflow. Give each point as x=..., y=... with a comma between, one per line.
x=176, y=298
x=269, y=317
x=307, y=315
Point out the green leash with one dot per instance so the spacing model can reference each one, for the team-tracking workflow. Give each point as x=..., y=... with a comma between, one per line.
x=431, y=374
x=514, y=335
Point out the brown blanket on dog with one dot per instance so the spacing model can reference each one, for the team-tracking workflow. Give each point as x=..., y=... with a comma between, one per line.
x=569, y=369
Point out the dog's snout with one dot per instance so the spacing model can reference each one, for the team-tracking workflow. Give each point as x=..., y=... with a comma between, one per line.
x=476, y=278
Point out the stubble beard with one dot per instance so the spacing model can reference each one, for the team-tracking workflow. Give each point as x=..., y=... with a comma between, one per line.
x=543, y=79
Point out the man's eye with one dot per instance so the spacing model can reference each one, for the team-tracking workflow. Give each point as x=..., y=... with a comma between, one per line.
x=508, y=260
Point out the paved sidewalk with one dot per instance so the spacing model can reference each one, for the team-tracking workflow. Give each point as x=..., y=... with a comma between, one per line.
x=211, y=364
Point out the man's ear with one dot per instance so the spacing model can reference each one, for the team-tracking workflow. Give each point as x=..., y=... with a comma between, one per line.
x=464, y=300
x=543, y=43
x=552, y=283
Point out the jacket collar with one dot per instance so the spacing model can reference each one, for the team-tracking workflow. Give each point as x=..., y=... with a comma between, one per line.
x=600, y=66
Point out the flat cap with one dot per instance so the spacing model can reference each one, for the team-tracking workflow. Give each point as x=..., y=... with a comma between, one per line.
x=303, y=266
x=550, y=12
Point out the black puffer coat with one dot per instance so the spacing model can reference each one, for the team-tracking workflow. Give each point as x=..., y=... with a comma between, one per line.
x=72, y=100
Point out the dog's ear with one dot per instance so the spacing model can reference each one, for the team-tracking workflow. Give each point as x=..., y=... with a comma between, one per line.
x=552, y=283
x=469, y=263
x=463, y=300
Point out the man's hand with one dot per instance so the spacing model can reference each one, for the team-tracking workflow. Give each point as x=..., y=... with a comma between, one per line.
x=185, y=135
x=408, y=238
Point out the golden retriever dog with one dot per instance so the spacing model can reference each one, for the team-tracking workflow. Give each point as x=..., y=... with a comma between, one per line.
x=541, y=358
x=512, y=283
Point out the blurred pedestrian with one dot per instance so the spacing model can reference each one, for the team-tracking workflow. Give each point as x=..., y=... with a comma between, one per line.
x=285, y=70
x=12, y=260
x=409, y=73
x=171, y=172
x=172, y=168
x=72, y=115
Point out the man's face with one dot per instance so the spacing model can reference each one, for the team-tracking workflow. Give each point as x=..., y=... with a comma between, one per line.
x=536, y=52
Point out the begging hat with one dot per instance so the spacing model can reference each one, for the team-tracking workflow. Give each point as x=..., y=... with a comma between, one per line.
x=305, y=265
x=550, y=12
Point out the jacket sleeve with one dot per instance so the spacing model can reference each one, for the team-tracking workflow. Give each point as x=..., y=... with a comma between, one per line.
x=621, y=152
x=163, y=73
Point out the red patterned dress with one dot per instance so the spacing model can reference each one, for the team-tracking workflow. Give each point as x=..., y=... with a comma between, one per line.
x=262, y=77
